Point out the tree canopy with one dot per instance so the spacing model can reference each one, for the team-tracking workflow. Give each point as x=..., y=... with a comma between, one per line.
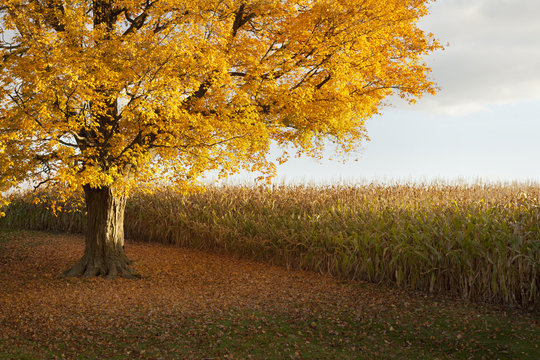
x=123, y=92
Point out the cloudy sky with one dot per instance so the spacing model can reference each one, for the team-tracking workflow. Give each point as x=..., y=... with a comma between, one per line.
x=483, y=124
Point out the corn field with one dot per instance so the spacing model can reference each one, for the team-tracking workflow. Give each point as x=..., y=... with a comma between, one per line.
x=478, y=242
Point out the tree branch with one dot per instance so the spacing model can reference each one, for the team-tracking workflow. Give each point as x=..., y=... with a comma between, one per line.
x=326, y=79
x=199, y=93
x=240, y=20
x=139, y=21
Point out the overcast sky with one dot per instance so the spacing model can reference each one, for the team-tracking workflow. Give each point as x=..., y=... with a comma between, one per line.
x=483, y=124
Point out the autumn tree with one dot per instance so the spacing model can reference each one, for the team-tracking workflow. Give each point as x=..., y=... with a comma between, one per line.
x=110, y=95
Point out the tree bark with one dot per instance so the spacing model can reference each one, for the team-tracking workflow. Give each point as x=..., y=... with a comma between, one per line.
x=104, y=252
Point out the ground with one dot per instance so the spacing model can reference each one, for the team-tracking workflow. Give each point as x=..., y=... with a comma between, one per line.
x=195, y=305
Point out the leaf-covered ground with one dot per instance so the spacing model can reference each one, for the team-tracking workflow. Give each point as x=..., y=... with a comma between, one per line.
x=195, y=305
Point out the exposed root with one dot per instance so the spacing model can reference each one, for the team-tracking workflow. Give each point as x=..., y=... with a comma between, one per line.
x=110, y=268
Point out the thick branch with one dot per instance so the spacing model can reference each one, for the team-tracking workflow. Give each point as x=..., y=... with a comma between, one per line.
x=105, y=13
x=139, y=21
x=199, y=93
x=326, y=79
x=135, y=24
x=240, y=20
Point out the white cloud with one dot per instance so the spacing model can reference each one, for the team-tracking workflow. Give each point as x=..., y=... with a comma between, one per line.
x=493, y=57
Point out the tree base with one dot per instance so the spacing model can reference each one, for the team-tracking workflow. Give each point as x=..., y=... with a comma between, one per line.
x=104, y=251
x=111, y=268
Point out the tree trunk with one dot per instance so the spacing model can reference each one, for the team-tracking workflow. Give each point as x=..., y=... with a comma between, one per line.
x=104, y=253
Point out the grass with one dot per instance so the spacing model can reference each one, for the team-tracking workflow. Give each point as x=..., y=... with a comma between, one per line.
x=478, y=242
x=253, y=335
x=195, y=305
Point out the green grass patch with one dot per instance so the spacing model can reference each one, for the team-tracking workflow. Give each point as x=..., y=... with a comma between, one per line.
x=426, y=333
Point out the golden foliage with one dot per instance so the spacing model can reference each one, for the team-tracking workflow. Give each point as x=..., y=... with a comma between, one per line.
x=125, y=92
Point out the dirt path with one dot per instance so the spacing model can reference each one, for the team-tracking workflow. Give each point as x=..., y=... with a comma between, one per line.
x=176, y=284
